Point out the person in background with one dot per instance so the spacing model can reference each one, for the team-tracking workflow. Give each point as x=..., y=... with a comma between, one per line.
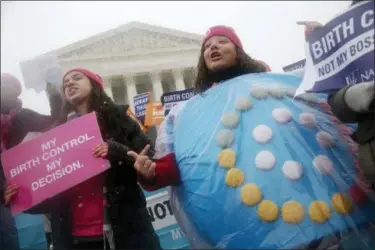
x=108, y=210
x=222, y=58
x=16, y=123
x=355, y=104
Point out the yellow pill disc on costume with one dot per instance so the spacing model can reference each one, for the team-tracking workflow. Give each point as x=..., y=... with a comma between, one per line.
x=234, y=177
x=342, y=204
x=292, y=212
x=227, y=158
x=319, y=211
x=268, y=211
x=251, y=194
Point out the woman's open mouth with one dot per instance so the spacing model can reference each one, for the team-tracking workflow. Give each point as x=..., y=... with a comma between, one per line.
x=215, y=56
x=72, y=91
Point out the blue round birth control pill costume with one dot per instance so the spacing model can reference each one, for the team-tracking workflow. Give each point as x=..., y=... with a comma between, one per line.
x=261, y=170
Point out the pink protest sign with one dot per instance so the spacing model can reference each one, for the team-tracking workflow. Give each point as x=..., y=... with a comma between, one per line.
x=53, y=162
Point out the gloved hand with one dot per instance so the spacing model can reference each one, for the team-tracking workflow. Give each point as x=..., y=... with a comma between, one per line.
x=359, y=97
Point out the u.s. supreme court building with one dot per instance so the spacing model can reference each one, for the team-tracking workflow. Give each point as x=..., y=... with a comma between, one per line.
x=136, y=58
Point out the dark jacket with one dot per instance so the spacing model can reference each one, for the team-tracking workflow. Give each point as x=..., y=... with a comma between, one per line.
x=25, y=121
x=127, y=204
x=365, y=134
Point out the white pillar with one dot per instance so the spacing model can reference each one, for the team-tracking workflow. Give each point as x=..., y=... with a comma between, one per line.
x=179, y=79
x=131, y=90
x=157, y=87
x=108, y=87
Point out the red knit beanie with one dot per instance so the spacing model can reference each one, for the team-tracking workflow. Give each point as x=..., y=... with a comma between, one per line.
x=10, y=84
x=91, y=75
x=221, y=30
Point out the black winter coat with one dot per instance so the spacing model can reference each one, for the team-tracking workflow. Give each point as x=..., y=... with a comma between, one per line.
x=127, y=204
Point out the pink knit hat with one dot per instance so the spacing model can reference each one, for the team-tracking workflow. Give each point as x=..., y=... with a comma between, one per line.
x=91, y=75
x=221, y=30
x=10, y=84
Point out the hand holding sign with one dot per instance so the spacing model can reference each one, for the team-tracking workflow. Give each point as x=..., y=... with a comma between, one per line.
x=342, y=52
x=40, y=71
x=144, y=166
x=10, y=192
x=101, y=150
x=310, y=26
x=360, y=97
x=53, y=162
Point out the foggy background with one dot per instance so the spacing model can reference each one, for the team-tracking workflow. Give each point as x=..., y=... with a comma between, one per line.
x=268, y=30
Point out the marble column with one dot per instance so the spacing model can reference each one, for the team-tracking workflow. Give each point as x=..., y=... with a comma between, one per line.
x=130, y=90
x=107, y=82
x=157, y=87
x=179, y=79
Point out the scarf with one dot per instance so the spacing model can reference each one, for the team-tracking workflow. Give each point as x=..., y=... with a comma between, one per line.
x=223, y=75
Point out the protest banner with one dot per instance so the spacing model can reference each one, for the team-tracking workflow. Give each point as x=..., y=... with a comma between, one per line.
x=40, y=71
x=295, y=66
x=53, y=162
x=154, y=114
x=132, y=115
x=171, y=99
x=140, y=102
x=163, y=220
x=342, y=52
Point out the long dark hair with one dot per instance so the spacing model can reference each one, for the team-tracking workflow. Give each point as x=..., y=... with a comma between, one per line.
x=245, y=65
x=113, y=121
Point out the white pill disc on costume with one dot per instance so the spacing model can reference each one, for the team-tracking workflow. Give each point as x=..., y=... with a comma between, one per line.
x=292, y=170
x=262, y=134
x=230, y=119
x=225, y=138
x=265, y=160
x=282, y=115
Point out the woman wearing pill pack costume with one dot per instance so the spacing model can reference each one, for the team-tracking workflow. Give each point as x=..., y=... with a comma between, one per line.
x=249, y=166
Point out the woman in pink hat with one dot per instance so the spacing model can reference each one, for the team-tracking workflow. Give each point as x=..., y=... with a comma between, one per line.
x=108, y=210
x=222, y=58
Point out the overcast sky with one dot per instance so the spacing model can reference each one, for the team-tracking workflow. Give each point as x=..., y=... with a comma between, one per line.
x=268, y=30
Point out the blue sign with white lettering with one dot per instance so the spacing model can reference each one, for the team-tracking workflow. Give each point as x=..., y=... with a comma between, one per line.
x=140, y=102
x=163, y=220
x=171, y=99
x=172, y=237
x=342, y=52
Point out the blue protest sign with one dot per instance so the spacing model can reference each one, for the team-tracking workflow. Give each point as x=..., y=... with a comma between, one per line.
x=163, y=220
x=342, y=52
x=140, y=102
x=294, y=66
x=170, y=99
